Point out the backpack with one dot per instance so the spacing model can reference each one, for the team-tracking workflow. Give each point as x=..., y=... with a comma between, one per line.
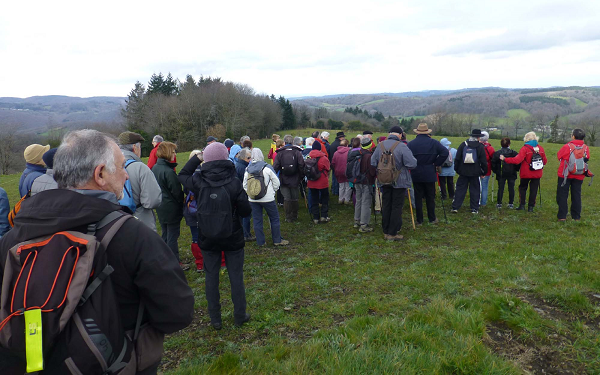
x=387, y=173
x=577, y=162
x=353, y=169
x=58, y=306
x=536, y=163
x=311, y=169
x=470, y=154
x=190, y=203
x=127, y=200
x=215, y=213
x=257, y=188
x=287, y=159
x=16, y=209
x=449, y=161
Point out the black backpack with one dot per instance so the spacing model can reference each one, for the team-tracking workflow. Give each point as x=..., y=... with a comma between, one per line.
x=537, y=163
x=470, y=154
x=289, y=164
x=311, y=169
x=353, y=168
x=215, y=214
x=58, y=302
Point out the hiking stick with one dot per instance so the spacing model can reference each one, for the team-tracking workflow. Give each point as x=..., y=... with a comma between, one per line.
x=373, y=200
x=540, y=193
x=412, y=216
x=492, y=178
x=442, y=197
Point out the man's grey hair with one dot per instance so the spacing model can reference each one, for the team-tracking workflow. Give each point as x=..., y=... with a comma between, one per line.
x=484, y=136
x=244, y=153
x=244, y=138
x=288, y=139
x=298, y=141
x=78, y=156
x=325, y=135
x=310, y=141
x=129, y=147
x=157, y=138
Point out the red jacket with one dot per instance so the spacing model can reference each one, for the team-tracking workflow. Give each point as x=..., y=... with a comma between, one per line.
x=152, y=158
x=524, y=158
x=339, y=163
x=323, y=164
x=489, y=152
x=323, y=148
x=563, y=158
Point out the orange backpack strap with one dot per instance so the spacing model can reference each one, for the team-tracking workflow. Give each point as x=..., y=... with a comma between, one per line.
x=16, y=209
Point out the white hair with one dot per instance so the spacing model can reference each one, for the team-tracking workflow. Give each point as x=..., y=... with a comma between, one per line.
x=325, y=135
x=158, y=138
x=298, y=141
x=257, y=155
x=310, y=141
x=484, y=136
x=194, y=153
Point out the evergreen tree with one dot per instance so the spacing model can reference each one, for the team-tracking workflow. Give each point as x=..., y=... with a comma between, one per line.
x=134, y=107
x=156, y=83
x=554, y=130
x=170, y=86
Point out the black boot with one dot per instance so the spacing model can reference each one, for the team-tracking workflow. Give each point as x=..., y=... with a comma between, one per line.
x=287, y=207
x=294, y=214
x=521, y=207
x=530, y=209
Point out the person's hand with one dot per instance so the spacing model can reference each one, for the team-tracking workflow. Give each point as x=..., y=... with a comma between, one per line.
x=200, y=156
x=438, y=169
x=501, y=157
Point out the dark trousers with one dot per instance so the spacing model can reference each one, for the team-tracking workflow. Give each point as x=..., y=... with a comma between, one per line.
x=335, y=186
x=462, y=183
x=511, y=190
x=425, y=190
x=170, y=234
x=447, y=181
x=391, y=209
x=562, y=194
x=235, y=269
x=319, y=196
x=534, y=186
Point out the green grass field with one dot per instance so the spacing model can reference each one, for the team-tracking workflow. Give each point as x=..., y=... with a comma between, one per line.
x=517, y=112
x=578, y=102
x=502, y=292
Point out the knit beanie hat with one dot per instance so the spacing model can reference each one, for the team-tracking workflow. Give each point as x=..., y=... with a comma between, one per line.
x=48, y=157
x=365, y=142
x=229, y=143
x=215, y=151
x=33, y=153
x=316, y=145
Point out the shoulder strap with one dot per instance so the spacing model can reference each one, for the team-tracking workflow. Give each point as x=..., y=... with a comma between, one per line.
x=394, y=146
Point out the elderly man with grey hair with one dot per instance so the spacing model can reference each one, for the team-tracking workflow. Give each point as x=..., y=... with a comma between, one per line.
x=157, y=140
x=289, y=163
x=145, y=190
x=89, y=170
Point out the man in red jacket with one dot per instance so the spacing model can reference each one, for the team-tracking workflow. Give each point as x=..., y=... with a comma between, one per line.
x=573, y=181
x=152, y=158
x=319, y=188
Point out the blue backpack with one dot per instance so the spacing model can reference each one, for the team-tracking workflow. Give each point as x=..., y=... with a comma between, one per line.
x=127, y=199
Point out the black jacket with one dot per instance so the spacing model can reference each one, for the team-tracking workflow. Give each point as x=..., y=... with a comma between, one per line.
x=429, y=154
x=218, y=173
x=293, y=180
x=471, y=170
x=333, y=148
x=144, y=267
x=503, y=169
x=170, y=210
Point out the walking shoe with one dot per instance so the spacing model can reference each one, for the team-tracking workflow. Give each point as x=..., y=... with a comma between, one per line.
x=349, y=203
x=365, y=228
x=562, y=219
x=521, y=207
x=387, y=237
x=356, y=224
x=316, y=221
x=199, y=270
x=474, y=211
x=398, y=237
x=530, y=209
x=250, y=239
x=217, y=326
x=454, y=211
x=499, y=205
x=282, y=243
x=435, y=221
x=325, y=219
x=184, y=266
x=510, y=205
x=241, y=322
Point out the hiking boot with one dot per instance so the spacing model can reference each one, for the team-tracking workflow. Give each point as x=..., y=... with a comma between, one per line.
x=562, y=220
x=387, y=237
x=356, y=224
x=217, y=326
x=294, y=207
x=365, y=229
x=511, y=206
x=454, y=211
x=521, y=207
x=435, y=221
x=325, y=219
x=282, y=243
x=499, y=205
x=397, y=237
x=250, y=239
x=184, y=266
x=530, y=209
x=474, y=212
x=349, y=203
x=239, y=323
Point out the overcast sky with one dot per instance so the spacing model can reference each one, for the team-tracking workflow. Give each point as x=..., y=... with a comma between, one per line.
x=293, y=48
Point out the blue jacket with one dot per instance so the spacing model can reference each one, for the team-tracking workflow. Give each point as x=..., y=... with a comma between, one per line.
x=31, y=172
x=4, y=210
x=240, y=169
x=449, y=171
x=233, y=151
x=429, y=154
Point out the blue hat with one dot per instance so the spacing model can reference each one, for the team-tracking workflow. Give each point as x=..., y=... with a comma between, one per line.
x=316, y=145
x=48, y=157
x=445, y=142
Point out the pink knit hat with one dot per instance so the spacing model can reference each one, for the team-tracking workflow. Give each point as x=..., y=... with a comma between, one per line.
x=215, y=151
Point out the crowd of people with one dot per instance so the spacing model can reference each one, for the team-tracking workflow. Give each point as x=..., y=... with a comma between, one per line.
x=223, y=190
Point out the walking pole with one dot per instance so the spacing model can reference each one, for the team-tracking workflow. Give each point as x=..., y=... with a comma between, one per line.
x=375, y=215
x=540, y=193
x=440, y=187
x=492, y=178
x=411, y=210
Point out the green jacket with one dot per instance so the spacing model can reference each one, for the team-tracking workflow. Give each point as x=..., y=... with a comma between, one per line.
x=170, y=210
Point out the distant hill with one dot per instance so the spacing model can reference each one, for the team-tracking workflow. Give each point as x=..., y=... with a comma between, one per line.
x=37, y=114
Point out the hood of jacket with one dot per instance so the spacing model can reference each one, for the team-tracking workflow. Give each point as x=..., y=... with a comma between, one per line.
x=218, y=173
x=342, y=151
x=169, y=164
x=130, y=155
x=256, y=166
x=59, y=209
x=313, y=154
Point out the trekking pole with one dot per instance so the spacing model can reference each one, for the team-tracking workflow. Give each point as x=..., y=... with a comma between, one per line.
x=374, y=214
x=411, y=210
x=442, y=197
x=492, y=178
x=540, y=193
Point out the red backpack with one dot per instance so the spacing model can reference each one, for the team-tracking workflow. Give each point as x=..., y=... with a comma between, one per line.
x=577, y=162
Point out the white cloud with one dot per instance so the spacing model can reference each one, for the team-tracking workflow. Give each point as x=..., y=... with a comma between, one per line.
x=303, y=48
